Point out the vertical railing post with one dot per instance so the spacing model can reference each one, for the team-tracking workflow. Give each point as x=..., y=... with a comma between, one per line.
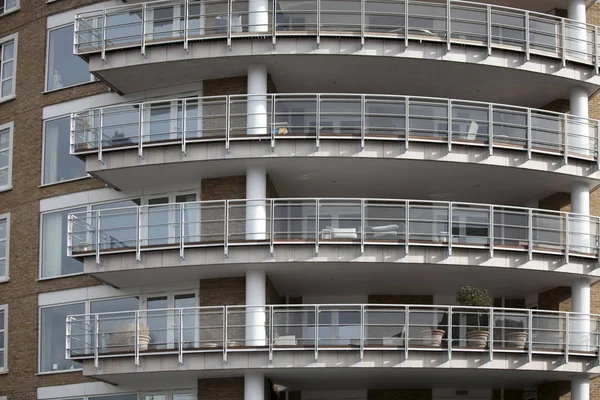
x=228, y=120
x=449, y=344
x=362, y=331
x=274, y=22
x=530, y=335
x=72, y=134
x=406, y=226
x=182, y=230
x=406, y=119
x=229, y=16
x=70, y=235
x=180, y=324
x=567, y=335
x=406, y=329
x=362, y=226
x=491, y=231
x=273, y=119
x=68, y=337
x=450, y=130
x=272, y=228
x=186, y=11
x=529, y=135
x=100, y=136
x=142, y=110
x=317, y=226
x=489, y=29
x=184, y=120
x=563, y=42
x=75, y=34
x=318, y=123
x=567, y=235
x=98, y=238
x=318, y=23
x=491, y=129
x=225, y=333
x=530, y=234
x=96, y=341
x=448, y=25
x=597, y=144
x=362, y=23
x=136, y=348
x=406, y=6
x=226, y=228
x=491, y=337
x=143, y=38
x=450, y=236
x=527, y=37
x=317, y=311
x=103, y=54
x=362, y=119
x=566, y=138
x=595, y=51
x=271, y=331
x=138, y=234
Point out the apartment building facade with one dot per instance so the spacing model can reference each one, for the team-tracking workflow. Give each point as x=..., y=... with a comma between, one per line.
x=226, y=199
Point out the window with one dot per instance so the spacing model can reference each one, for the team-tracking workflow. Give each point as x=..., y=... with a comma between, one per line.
x=8, y=66
x=59, y=165
x=64, y=68
x=53, y=330
x=5, y=156
x=7, y=6
x=4, y=235
x=3, y=337
x=55, y=261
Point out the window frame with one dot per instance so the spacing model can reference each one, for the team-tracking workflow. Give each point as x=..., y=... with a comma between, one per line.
x=11, y=128
x=6, y=11
x=42, y=184
x=47, y=67
x=6, y=39
x=4, y=310
x=6, y=276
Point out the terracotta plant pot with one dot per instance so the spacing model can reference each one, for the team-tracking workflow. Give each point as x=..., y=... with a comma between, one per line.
x=432, y=337
x=477, y=339
x=516, y=340
x=143, y=342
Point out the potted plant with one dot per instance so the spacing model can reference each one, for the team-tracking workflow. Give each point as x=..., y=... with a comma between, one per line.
x=432, y=337
x=515, y=335
x=123, y=339
x=477, y=330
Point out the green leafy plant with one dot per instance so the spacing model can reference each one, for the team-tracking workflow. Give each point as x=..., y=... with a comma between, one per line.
x=470, y=296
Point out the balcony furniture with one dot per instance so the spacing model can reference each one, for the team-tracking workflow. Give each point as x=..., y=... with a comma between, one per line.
x=287, y=340
x=472, y=132
x=391, y=231
x=339, y=233
x=280, y=128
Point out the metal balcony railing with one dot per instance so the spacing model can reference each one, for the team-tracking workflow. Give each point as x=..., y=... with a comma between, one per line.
x=318, y=328
x=318, y=222
x=450, y=21
x=316, y=117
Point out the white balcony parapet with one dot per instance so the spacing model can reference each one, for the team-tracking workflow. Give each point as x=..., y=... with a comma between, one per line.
x=450, y=22
x=327, y=221
x=366, y=327
x=316, y=117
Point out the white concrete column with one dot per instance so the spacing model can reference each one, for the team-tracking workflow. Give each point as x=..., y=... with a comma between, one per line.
x=580, y=388
x=576, y=36
x=578, y=129
x=256, y=296
x=258, y=15
x=256, y=210
x=256, y=120
x=579, y=225
x=580, y=324
x=577, y=10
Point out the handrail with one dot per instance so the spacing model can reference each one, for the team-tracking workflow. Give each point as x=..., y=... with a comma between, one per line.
x=318, y=327
x=454, y=21
x=359, y=117
x=325, y=221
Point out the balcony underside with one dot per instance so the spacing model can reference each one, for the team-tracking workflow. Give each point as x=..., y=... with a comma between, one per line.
x=378, y=369
x=341, y=269
x=389, y=68
x=342, y=168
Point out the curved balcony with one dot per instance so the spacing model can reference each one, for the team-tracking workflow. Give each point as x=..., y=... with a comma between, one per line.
x=469, y=131
x=299, y=336
x=415, y=232
x=491, y=28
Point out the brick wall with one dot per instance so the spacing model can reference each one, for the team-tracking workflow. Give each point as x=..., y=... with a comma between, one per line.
x=221, y=389
x=400, y=394
x=223, y=291
x=560, y=201
x=273, y=296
